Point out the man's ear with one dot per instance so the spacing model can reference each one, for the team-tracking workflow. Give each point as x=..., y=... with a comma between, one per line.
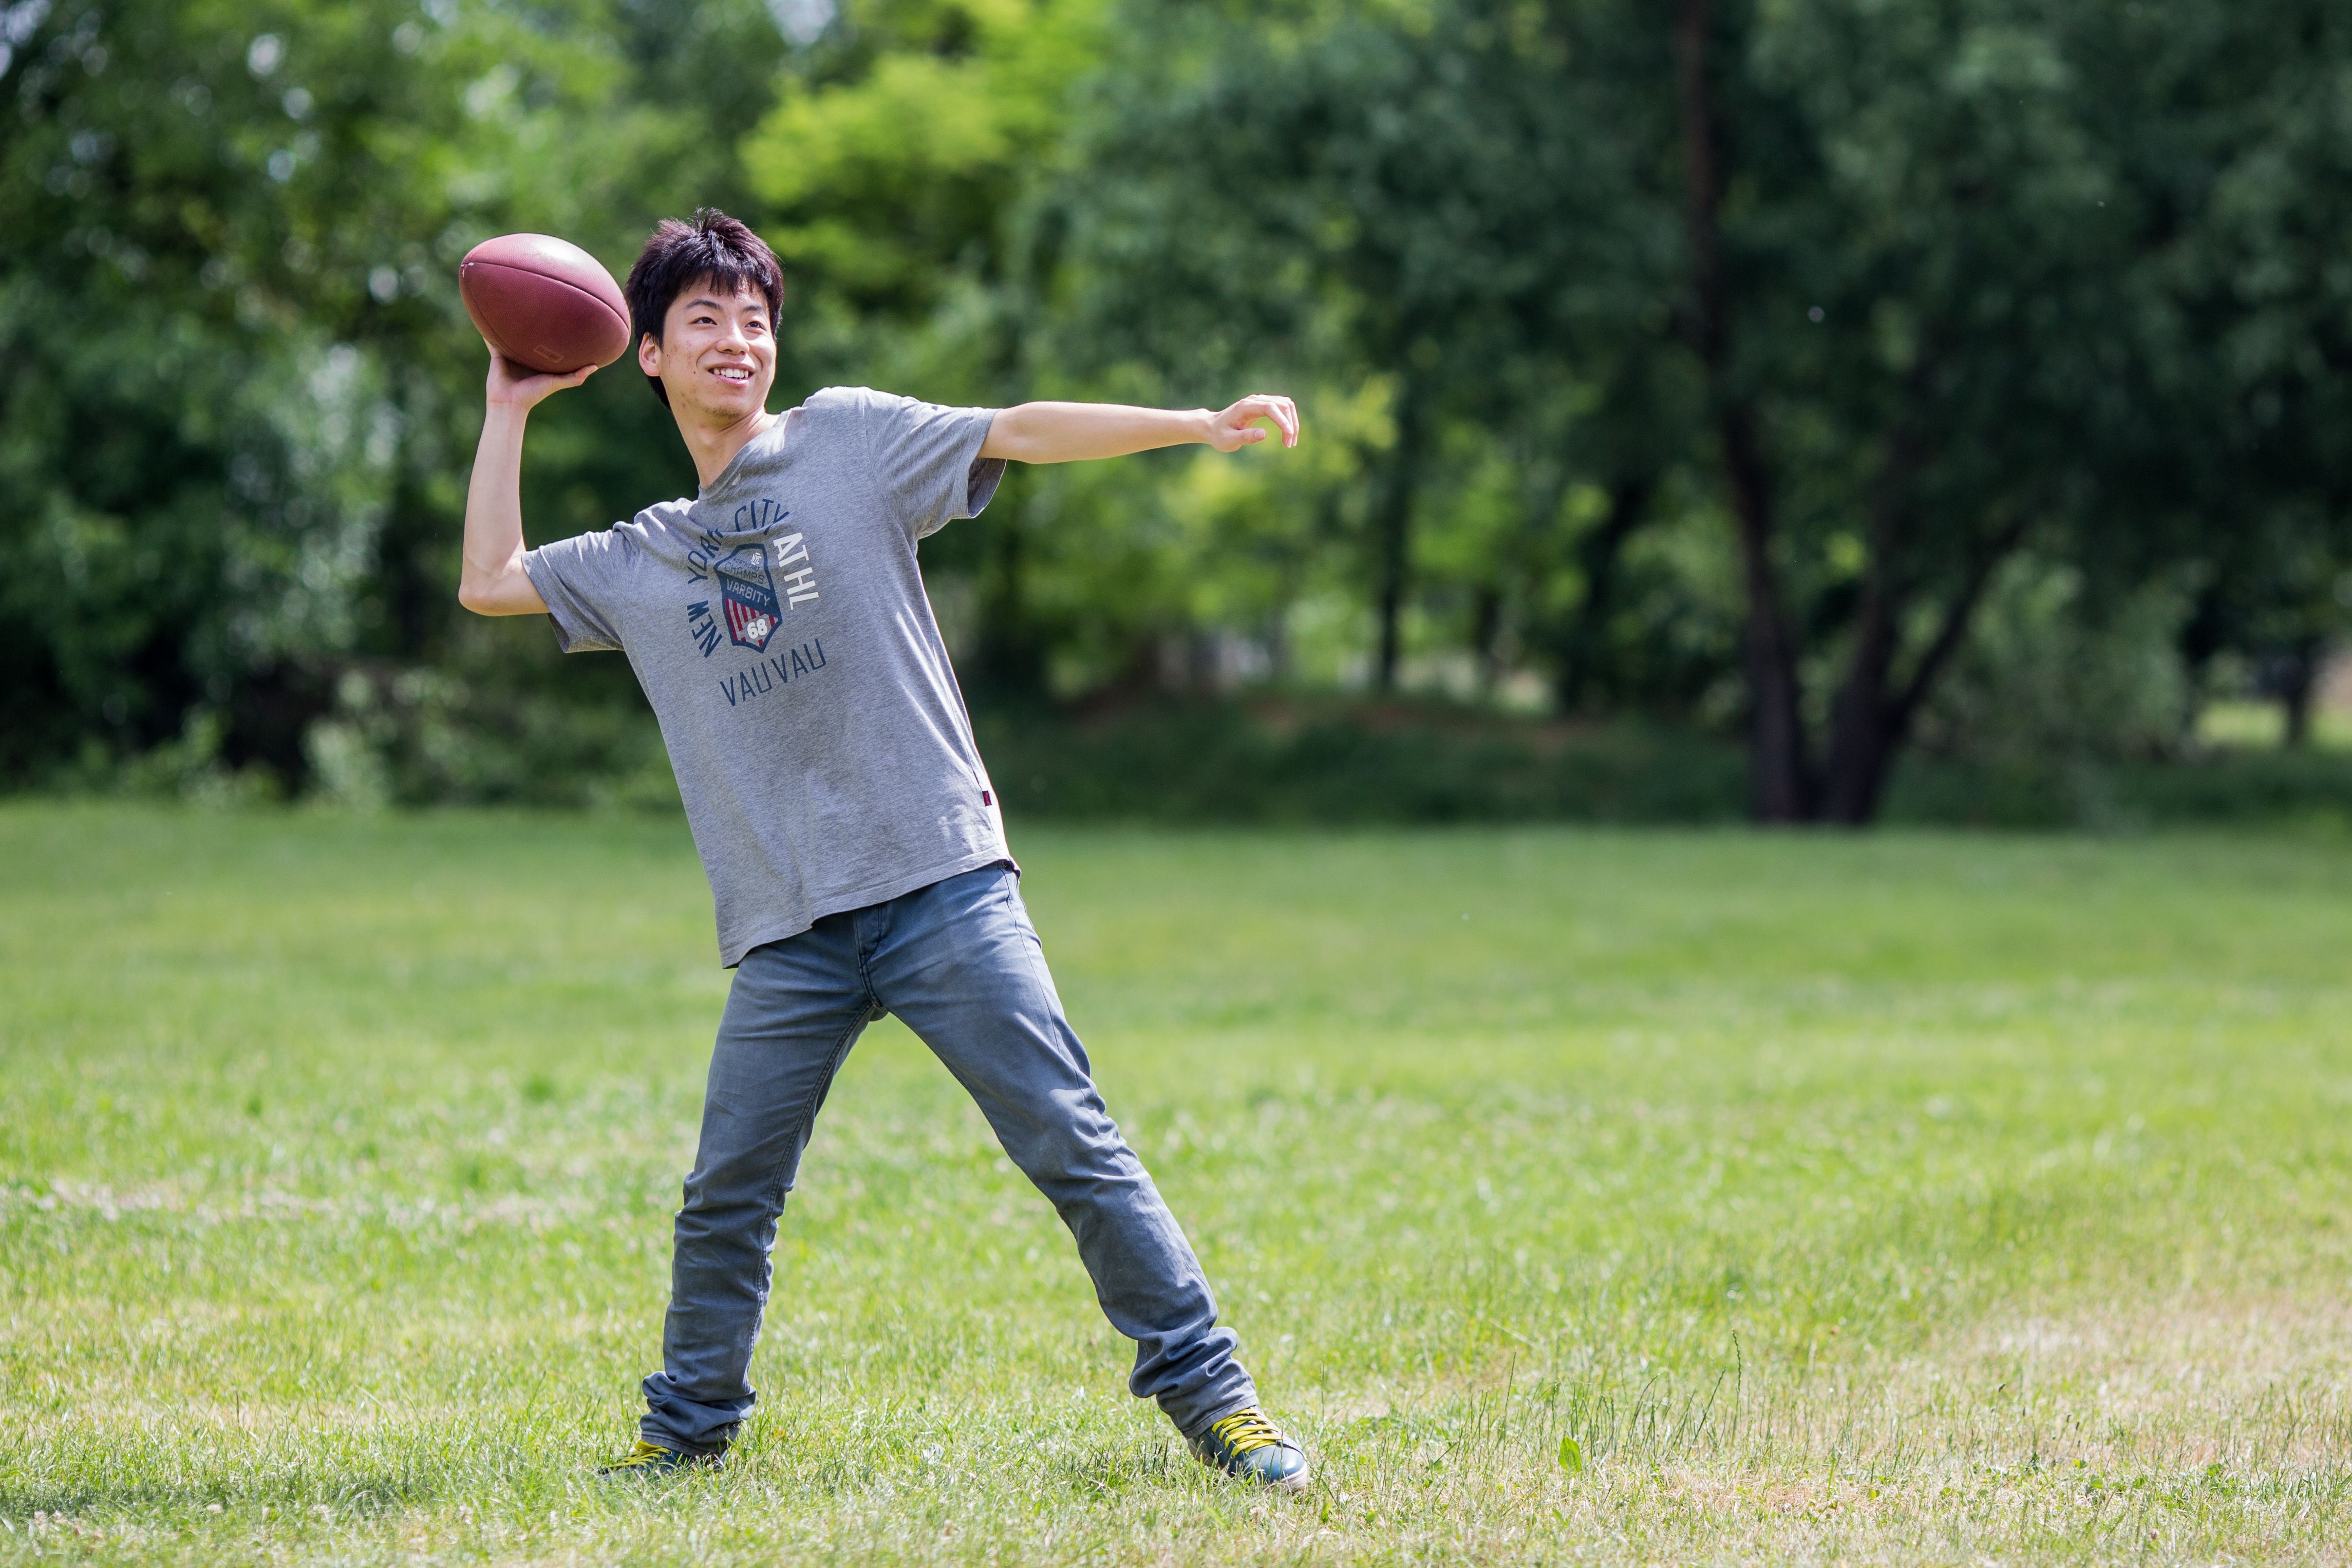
x=649, y=355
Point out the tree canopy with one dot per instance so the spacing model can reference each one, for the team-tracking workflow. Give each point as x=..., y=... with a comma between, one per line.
x=1749, y=366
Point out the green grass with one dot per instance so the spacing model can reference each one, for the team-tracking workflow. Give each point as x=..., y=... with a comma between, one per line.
x=1892, y=1199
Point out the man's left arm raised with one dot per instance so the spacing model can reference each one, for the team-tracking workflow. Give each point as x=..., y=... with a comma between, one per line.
x=1074, y=432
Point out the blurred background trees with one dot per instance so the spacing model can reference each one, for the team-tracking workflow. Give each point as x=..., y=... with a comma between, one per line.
x=1873, y=389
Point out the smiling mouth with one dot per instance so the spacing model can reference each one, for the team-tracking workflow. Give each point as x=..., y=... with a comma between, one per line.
x=739, y=374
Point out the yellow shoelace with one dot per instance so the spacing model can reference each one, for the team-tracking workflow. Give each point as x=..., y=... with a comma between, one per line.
x=644, y=1453
x=1246, y=1431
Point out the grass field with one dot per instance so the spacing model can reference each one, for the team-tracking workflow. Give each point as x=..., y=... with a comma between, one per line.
x=1580, y=1198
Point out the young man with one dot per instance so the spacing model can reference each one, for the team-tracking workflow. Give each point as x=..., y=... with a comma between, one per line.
x=855, y=848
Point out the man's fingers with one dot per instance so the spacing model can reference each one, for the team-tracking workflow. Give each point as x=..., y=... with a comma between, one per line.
x=1279, y=411
x=520, y=386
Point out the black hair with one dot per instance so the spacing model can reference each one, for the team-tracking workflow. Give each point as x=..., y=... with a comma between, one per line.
x=713, y=248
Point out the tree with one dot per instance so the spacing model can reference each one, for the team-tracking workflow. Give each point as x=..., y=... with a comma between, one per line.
x=1929, y=282
x=1358, y=194
x=237, y=384
x=2265, y=307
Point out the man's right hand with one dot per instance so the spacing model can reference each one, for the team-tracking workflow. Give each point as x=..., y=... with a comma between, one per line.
x=520, y=389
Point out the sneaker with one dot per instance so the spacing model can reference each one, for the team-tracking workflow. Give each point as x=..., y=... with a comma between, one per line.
x=650, y=1459
x=1247, y=1445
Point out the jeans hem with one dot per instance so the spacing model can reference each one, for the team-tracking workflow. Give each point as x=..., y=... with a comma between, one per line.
x=679, y=1446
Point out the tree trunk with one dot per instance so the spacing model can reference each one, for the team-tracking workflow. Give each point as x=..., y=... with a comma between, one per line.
x=1395, y=524
x=1874, y=720
x=2298, y=679
x=1864, y=729
x=1863, y=738
x=1780, y=781
x=1486, y=635
x=1583, y=644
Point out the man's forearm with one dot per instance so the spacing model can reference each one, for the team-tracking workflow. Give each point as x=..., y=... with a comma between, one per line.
x=1075, y=432
x=492, y=580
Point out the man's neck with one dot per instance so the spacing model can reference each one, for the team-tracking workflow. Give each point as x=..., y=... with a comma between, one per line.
x=713, y=446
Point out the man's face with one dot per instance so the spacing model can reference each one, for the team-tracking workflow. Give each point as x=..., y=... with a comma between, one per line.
x=717, y=355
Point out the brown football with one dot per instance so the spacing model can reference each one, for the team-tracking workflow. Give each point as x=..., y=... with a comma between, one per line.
x=543, y=302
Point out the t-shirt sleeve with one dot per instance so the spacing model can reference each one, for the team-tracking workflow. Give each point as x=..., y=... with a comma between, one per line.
x=582, y=579
x=928, y=458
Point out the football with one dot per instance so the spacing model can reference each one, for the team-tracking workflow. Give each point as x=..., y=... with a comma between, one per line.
x=544, y=303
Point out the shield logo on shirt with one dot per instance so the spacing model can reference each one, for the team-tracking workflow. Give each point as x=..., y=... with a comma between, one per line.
x=753, y=612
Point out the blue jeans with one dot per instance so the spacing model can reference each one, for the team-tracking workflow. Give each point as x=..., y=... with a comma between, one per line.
x=958, y=962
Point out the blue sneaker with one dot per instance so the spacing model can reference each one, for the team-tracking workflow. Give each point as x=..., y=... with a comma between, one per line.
x=1248, y=1447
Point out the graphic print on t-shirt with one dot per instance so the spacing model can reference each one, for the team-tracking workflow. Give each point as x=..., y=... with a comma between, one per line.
x=750, y=606
x=752, y=612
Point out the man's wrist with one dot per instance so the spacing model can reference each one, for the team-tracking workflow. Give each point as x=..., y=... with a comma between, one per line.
x=1201, y=424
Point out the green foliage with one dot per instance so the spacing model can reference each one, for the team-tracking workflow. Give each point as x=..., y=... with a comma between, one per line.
x=2055, y=674
x=1326, y=762
x=1997, y=329
x=1312, y=763
x=1927, y=286
x=891, y=160
x=2309, y=790
x=238, y=389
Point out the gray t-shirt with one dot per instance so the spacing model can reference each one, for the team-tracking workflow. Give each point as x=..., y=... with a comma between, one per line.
x=779, y=627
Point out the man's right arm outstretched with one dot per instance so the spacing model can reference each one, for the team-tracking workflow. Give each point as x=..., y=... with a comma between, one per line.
x=492, y=580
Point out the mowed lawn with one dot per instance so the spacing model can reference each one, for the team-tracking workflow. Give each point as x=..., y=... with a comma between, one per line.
x=1579, y=1197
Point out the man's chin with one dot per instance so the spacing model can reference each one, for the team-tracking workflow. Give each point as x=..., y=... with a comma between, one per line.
x=725, y=408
